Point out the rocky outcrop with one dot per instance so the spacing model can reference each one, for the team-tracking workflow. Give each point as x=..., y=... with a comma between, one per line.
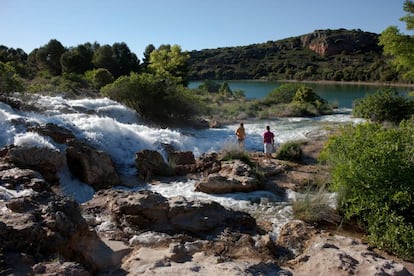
x=47, y=161
x=42, y=225
x=234, y=176
x=92, y=166
x=148, y=211
x=326, y=42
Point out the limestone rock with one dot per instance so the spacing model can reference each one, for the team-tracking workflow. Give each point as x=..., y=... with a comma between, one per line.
x=234, y=176
x=92, y=166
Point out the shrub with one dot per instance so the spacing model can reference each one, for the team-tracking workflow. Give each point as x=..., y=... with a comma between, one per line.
x=99, y=77
x=290, y=151
x=156, y=98
x=384, y=105
x=373, y=173
x=9, y=82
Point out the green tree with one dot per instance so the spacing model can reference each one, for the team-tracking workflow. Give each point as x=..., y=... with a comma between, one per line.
x=170, y=61
x=9, y=82
x=48, y=57
x=401, y=46
x=77, y=60
x=147, y=55
x=103, y=57
x=125, y=61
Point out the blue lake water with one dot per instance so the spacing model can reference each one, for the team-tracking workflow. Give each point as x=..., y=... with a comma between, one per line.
x=341, y=94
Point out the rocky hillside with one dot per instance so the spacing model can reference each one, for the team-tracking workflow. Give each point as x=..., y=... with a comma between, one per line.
x=338, y=55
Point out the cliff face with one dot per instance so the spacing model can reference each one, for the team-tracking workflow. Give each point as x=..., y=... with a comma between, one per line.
x=327, y=42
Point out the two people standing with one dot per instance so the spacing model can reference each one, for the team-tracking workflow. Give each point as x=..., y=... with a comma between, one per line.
x=268, y=140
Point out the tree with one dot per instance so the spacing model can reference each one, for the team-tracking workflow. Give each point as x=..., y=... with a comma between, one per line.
x=103, y=57
x=170, y=61
x=77, y=60
x=401, y=46
x=125, y=61
x=48, y=57
x=147, y=55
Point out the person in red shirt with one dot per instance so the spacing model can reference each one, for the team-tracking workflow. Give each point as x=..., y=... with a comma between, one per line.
x=269, y=143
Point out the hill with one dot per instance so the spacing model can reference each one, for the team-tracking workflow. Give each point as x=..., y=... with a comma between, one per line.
x=334, y=55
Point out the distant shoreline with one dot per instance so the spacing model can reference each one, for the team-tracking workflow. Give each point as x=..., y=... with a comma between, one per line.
x=353, y=83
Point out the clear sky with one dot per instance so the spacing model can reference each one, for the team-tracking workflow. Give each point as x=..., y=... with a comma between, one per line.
x=192, y=24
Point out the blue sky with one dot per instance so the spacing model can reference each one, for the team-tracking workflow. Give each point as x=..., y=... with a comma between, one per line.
x=192, y=24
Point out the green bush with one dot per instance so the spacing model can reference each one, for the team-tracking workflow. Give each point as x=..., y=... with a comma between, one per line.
x=384, y=105
x=156, y=98
x=290, y=151
x=99, y=77
x=9, y=82
x=373, y=174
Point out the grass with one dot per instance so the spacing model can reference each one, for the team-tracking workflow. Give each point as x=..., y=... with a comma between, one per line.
x=315, y=207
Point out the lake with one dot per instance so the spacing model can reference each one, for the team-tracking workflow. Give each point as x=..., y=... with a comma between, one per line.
x=341, y=94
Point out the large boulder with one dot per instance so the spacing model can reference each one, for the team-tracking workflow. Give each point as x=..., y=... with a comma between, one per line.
x=92, y=166
x=183, y=162
x=151, y=163
x=47, y=161
x=43, y=225
x=234, y=176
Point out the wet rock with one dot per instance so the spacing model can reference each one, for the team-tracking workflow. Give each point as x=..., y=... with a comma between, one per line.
x=151, y=163
x=57, y=133
x=47, y=161
x=92, y=166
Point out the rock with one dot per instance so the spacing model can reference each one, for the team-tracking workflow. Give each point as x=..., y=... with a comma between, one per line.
x=338, y=255
x=294, y=236
x=208, y=163
x=134, y=212
x=201, y=218
x=183, y=162
x=18, y=179
x=91, y=166
x=47, y=161
x=57, y=133
x=150, y=163
x=234, y=176
x=43, y=225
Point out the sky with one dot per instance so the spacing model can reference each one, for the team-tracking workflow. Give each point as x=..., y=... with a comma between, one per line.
x=191, y=24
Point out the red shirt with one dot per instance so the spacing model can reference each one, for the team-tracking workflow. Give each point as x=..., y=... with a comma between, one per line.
x=268, y=137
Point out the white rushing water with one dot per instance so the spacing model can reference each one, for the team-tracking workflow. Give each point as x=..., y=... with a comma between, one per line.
x=113, y=128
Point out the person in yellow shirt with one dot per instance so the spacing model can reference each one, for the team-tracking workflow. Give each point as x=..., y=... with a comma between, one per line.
x=241, y=135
